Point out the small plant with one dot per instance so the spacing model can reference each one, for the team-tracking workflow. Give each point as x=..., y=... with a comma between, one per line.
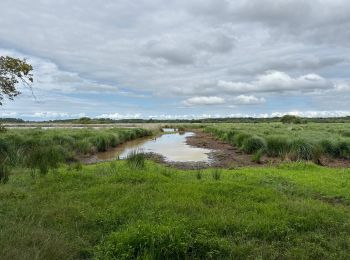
x=136, y=160
x=199, y=174
x=257, y=156
x=216, y=174
x=76, y=166
x=166, y=172
x=4, y=170
x=113, y=166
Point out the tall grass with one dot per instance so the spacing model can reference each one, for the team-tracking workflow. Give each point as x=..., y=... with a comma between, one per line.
x=43, y=150
x=136, y=159
x=253, y=144
x=307, y=142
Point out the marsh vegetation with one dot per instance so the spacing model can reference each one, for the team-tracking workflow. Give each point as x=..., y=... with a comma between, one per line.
x=138, y=209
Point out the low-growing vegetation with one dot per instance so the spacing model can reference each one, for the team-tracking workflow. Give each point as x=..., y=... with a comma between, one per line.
x=287, y=141
x=117, y=211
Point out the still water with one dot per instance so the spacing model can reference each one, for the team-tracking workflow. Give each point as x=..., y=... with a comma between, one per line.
x=171, y=146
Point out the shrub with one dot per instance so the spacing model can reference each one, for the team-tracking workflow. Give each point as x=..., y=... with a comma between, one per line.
x=239, y=139
x=329, y=148
x=136, y=159
x=100, y=142
x=253, y=144
x=84, y=147
x=301, y=150
x=277, y=146
x=343, y=149
x=44, y=158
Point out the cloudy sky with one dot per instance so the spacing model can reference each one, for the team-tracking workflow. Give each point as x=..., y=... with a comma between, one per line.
x=181, y=58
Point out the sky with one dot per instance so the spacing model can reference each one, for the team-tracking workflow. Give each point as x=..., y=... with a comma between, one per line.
x=179, y=59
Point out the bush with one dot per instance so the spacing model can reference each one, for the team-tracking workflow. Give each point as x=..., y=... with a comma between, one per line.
x=277, y=146
x=100, y=142
x=301, y=150
x=343, y=149
x=44, y=158
x=84, y=147
x=329, y=148
x=239, y=139
x=253, y=144
x=136, y=159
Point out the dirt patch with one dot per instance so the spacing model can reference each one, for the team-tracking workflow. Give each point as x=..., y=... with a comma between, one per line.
x=225, y=155
x=335, y=163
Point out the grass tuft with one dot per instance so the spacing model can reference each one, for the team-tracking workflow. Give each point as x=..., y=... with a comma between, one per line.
x=136, y=159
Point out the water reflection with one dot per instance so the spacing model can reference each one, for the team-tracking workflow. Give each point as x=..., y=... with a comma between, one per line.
x=172, y=146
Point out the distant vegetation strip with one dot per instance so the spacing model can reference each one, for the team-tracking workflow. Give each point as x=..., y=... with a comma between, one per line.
x=87, y=120
x=42, y=150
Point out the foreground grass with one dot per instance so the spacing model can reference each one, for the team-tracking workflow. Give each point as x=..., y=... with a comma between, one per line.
x=114, y=210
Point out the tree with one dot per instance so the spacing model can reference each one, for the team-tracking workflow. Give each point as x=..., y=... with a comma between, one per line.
x=290, y=119
x=13, y=72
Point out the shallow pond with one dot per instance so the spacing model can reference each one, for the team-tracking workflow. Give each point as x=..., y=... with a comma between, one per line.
x=171, y=146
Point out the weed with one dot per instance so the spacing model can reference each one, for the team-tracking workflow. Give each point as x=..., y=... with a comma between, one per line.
x=216, y=174
x=136, y=159
x=257, y=156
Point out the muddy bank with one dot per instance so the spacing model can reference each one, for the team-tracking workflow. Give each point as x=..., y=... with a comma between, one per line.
x=228, y=156
x=225, y=155
x=220, y=154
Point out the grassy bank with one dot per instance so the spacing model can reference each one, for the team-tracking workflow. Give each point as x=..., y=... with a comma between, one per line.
x=42, y=150
x=127, y=209
x=295, y=142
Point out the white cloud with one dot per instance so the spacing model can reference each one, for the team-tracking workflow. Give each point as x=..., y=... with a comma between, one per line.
x=277, y=81
x=203, y=101
x=248, y=100
x=120, y=116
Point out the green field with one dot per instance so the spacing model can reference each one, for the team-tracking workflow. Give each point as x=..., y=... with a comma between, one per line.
x=56, y=208
x=116, y=210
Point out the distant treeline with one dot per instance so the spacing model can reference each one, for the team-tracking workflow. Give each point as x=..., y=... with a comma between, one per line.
x=86, y=120
x=11, y=120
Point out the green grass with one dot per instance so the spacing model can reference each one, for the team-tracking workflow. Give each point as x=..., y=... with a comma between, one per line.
x=297, y=142
x=117, y=211
x=42, y=150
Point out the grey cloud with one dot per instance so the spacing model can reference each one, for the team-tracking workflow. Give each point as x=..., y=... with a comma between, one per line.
x=180, y=49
